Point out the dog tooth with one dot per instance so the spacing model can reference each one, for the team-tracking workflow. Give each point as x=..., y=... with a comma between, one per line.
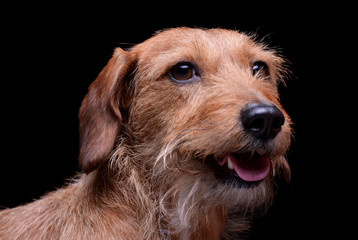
x=229, y=164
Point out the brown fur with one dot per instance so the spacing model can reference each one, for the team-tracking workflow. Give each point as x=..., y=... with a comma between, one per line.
x=145, y=141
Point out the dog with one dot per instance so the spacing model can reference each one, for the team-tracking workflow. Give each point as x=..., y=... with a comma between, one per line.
x=181, y=137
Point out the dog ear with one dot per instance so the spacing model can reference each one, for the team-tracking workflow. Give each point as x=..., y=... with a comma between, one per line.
x=101, y=111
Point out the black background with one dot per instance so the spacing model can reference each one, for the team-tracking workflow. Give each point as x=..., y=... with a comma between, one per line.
x=50, y=55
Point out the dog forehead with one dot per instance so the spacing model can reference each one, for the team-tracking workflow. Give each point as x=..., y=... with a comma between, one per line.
x=198, y=37
x=187, y=44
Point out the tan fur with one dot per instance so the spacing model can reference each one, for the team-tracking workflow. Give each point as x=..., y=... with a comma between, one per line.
x=145, y=140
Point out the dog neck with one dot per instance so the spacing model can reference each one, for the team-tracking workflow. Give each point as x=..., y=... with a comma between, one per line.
x=156, y=207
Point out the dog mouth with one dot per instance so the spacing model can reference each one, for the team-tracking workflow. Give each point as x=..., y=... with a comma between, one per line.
x=245, y=167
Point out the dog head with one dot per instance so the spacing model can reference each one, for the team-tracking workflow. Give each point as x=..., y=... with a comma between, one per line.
x=209, y=97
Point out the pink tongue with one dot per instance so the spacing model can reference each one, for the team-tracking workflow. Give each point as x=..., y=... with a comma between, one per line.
x=250, y=170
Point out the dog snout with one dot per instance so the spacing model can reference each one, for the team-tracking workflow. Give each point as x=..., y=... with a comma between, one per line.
x=262, y=121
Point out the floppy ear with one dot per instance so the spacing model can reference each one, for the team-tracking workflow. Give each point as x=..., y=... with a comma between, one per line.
x=100, y=113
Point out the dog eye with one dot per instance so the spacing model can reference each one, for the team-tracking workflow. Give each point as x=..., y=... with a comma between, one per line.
x=182, y=72
x=260, y=69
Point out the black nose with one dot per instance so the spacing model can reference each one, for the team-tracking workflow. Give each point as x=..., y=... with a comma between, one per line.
x=262, y=121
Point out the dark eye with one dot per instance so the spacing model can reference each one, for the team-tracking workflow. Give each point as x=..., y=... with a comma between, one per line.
x=260, y=69
x=182, y=72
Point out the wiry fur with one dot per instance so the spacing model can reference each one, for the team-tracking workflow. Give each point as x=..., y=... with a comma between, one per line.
x=146, y=144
